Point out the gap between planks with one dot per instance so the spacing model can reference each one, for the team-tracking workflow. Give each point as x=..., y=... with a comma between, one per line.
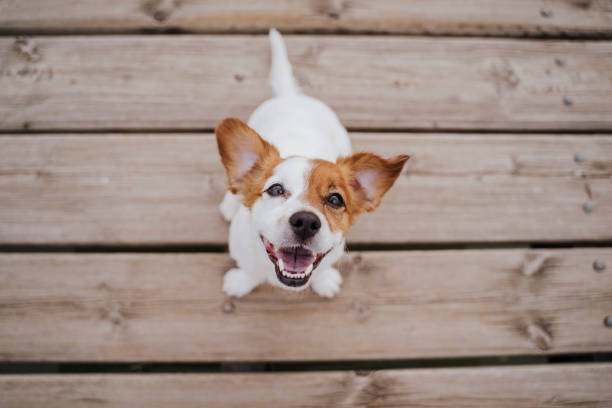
x=530, y=18
x=294, y=366
x=355, y=131
x=413, y=246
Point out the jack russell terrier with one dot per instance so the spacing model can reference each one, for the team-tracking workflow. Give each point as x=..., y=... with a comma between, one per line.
x=294, y=188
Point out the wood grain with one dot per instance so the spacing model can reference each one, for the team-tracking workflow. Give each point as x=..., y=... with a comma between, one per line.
x=165, y=189
x=192, y=82
x=505, y=387
x=448, y=17
x=393, y=305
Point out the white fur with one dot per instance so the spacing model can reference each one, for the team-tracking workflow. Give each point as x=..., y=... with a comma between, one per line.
x=229, y=206
x=301, y=128
x=281, y=74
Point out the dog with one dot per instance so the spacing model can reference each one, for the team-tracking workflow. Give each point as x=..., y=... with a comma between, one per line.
x=294, y=188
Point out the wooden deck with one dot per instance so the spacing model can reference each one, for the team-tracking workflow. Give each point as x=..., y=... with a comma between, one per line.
x=494, y=247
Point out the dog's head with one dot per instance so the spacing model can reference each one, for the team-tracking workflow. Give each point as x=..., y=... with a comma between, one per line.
x=301, y=208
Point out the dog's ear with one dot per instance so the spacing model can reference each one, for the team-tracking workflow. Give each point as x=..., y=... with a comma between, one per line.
x=243, y=152
x=369, y=177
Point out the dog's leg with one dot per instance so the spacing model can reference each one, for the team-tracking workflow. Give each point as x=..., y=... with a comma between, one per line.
x=238, y=282
x=327, y=282
x=229, y=206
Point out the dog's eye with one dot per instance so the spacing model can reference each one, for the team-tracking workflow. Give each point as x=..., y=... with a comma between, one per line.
x=275, y=190
x=335, y=200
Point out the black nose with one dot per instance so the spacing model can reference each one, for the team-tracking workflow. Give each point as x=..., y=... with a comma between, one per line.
x=304, y=224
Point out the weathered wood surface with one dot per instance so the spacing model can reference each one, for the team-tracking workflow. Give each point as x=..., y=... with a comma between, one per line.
x=192, y=82
x=584, y=385
x=480, y=17
x=393, y=305
x=139, y=189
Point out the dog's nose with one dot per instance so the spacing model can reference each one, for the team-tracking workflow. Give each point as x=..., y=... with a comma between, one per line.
x=305, y=224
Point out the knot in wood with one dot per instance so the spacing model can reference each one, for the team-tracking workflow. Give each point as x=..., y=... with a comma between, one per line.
x=534, y=264
x=362, y=311
x=332, y=9
x=546, y=13
x=114, y=313
x=27, y=48
x=228, y=306
x=160, y=10
x=115, y=317
x=539, y=336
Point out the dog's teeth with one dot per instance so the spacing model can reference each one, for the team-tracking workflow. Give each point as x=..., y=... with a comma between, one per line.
x=281, y=265
x=308, y=270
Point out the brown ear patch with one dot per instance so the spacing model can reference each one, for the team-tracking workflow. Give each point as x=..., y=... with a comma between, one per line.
x=327, y=178
x=248, y=159
x=369, y=177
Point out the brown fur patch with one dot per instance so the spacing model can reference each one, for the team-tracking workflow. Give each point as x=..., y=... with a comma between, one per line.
x=379, y=173
x=236, y=140
x=327, y=178
x=256, y=179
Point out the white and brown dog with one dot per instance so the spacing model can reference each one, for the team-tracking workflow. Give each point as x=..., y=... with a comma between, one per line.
x=294, y=188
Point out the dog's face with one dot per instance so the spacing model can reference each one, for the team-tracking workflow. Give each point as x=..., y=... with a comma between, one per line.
x=301, y=208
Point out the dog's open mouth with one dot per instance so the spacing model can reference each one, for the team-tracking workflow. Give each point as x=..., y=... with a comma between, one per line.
x=294, y=265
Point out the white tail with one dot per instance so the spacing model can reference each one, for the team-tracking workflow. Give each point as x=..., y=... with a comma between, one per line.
x=281, y=75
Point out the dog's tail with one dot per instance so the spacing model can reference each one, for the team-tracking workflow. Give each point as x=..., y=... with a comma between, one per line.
x=281, y=75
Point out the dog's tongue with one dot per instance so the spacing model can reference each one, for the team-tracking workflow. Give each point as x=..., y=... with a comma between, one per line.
x=296, y=259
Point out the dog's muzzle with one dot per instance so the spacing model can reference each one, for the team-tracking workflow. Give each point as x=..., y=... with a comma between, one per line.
x=293, y=265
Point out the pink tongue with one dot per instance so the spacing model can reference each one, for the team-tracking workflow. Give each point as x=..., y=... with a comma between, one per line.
x=296, y=259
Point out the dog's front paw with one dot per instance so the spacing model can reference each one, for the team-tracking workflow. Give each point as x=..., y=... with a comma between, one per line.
x=238, y=282
x=327, y=283
x=229, y=206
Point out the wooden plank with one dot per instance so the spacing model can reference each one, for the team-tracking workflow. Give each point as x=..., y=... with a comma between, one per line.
x=393, y=305
x=584, y=385
x=192, y=82
x=447, y=17
x=165, y=189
